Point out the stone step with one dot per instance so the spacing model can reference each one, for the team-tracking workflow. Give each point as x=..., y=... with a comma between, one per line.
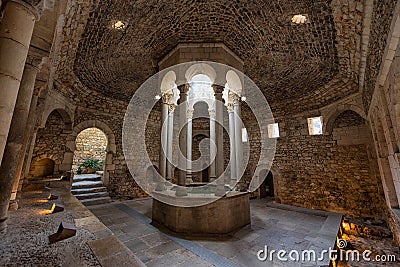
x=87, y=177
x=88, y=190
x=91, y=195
x=95, y=201
x=86, y=184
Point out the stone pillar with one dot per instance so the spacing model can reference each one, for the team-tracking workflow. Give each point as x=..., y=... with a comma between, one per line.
x=219, y=130
x=189, y=137
x=29, y=154
x=164, y=143
x=164, y=138
x=30, y=137
x=232, y=141
x=16, y=30
x=12, y=162
x=238, y=137
x=170, y=172
x=212, y=147
x=181, y=190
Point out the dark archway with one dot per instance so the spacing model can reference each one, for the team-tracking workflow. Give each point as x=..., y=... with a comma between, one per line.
x=267, y=187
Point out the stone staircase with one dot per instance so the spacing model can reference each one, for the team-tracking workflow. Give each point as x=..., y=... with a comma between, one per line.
x=89, y=189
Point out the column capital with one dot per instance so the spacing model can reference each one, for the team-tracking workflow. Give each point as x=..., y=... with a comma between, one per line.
x=230, y=107
x=171, y=108
x=166, y=98
x=184, y=88
x=36, y=62
x=218, y=89
x=233, y=97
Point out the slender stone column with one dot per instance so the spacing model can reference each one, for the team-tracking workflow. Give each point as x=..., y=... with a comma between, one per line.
x=232, y=141
x=189, y=137
x=16, y=30
x=164, y=138
x=170, y=173
x=219, y=130
x=11, y=165
x=164, y=143
x=181, y=191
x=238, y=137
x=212, y=147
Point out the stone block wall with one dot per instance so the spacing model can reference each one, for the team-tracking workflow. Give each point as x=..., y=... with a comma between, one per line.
x=323, y=172
x=50, y=143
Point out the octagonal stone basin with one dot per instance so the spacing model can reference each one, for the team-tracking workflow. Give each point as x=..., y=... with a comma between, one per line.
x=220, y=217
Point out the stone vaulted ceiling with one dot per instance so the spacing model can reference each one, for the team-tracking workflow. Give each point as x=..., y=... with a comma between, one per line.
x=289, y=62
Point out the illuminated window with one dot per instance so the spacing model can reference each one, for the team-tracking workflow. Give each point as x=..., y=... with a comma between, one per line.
x=273, y=130
x=315, y=126
x=244, y=135
x=119, y=25
x=299, y=19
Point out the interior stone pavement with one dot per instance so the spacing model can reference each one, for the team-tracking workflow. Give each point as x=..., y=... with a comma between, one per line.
x=273, y=225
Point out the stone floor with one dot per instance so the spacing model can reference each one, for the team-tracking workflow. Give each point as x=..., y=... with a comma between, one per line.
x=273, y=225
x=26, y=241
x=130, y=235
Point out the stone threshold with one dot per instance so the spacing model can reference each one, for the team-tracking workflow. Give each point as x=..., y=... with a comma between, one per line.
x=107, y=248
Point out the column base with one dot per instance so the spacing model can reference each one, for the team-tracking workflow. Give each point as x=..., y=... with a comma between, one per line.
x=181, y=191
x=212, y=179
x=189, y=178
x=13, y=205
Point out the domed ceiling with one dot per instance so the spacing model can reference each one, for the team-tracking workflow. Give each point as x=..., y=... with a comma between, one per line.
x=289, y=62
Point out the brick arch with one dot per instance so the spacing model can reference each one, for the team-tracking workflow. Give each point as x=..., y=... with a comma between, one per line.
x=109, y=166
x=330, y=118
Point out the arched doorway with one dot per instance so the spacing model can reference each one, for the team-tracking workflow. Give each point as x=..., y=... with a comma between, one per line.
x=201, y=175
x=267, y=189
x=90, y=152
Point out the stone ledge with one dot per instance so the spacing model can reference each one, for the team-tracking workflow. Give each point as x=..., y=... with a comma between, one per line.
x=108, y=249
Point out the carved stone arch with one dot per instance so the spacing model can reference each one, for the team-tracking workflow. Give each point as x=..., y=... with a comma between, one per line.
x=111, y=149
x=200, y=68
x=168, y=82
x=65, y=115
x=234, y=82
x=330, y=118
